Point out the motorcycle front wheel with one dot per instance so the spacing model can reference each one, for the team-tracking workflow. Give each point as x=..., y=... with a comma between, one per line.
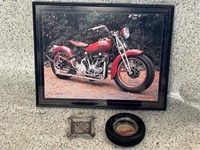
x=60, y=65
x=141, y=76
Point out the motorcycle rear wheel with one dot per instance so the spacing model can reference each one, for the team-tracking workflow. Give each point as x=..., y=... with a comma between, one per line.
x=55, y=66
x=142, y=75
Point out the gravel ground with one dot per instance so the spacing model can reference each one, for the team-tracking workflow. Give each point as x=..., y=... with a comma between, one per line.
x=83, y=88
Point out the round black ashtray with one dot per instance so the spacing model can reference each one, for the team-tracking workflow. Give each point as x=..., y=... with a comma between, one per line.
x=125, y=129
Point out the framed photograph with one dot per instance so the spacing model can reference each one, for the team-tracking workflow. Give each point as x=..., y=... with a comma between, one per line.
x=102, y=55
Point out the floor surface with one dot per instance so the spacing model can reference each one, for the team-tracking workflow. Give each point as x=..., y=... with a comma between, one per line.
x=24, y=126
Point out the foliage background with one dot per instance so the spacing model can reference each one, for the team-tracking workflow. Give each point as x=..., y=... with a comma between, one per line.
x=58, y=27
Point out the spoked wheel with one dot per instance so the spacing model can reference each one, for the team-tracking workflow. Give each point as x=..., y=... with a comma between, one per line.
x=60, y=65
x=141, y=75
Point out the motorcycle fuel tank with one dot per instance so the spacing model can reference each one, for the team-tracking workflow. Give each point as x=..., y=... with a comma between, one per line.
x=101, y=45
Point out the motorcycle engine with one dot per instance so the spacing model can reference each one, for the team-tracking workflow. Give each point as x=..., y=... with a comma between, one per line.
x=81, y=69
x=95, y=70
x=94, y=63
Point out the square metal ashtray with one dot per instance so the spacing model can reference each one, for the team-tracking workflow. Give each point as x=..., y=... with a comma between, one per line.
x=81, y=126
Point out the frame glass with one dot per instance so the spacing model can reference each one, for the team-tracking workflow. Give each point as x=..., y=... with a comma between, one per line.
x=102, y=55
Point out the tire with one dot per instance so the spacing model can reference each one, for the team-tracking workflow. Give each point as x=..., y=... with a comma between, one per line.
x=149, y=74
x=123, y=139
x=53, y=67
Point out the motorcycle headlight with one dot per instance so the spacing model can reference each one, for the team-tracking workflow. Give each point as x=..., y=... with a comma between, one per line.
x=125, y=32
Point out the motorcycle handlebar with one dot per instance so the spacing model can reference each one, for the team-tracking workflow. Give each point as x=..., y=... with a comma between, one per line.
x=99, y=27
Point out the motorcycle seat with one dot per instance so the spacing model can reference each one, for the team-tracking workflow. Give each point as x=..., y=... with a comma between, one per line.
x=78, y=44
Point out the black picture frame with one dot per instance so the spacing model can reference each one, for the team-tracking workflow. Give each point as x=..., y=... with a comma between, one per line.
x=152, y=22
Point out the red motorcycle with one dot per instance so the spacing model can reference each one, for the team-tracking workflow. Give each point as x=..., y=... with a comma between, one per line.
x=131, y=70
